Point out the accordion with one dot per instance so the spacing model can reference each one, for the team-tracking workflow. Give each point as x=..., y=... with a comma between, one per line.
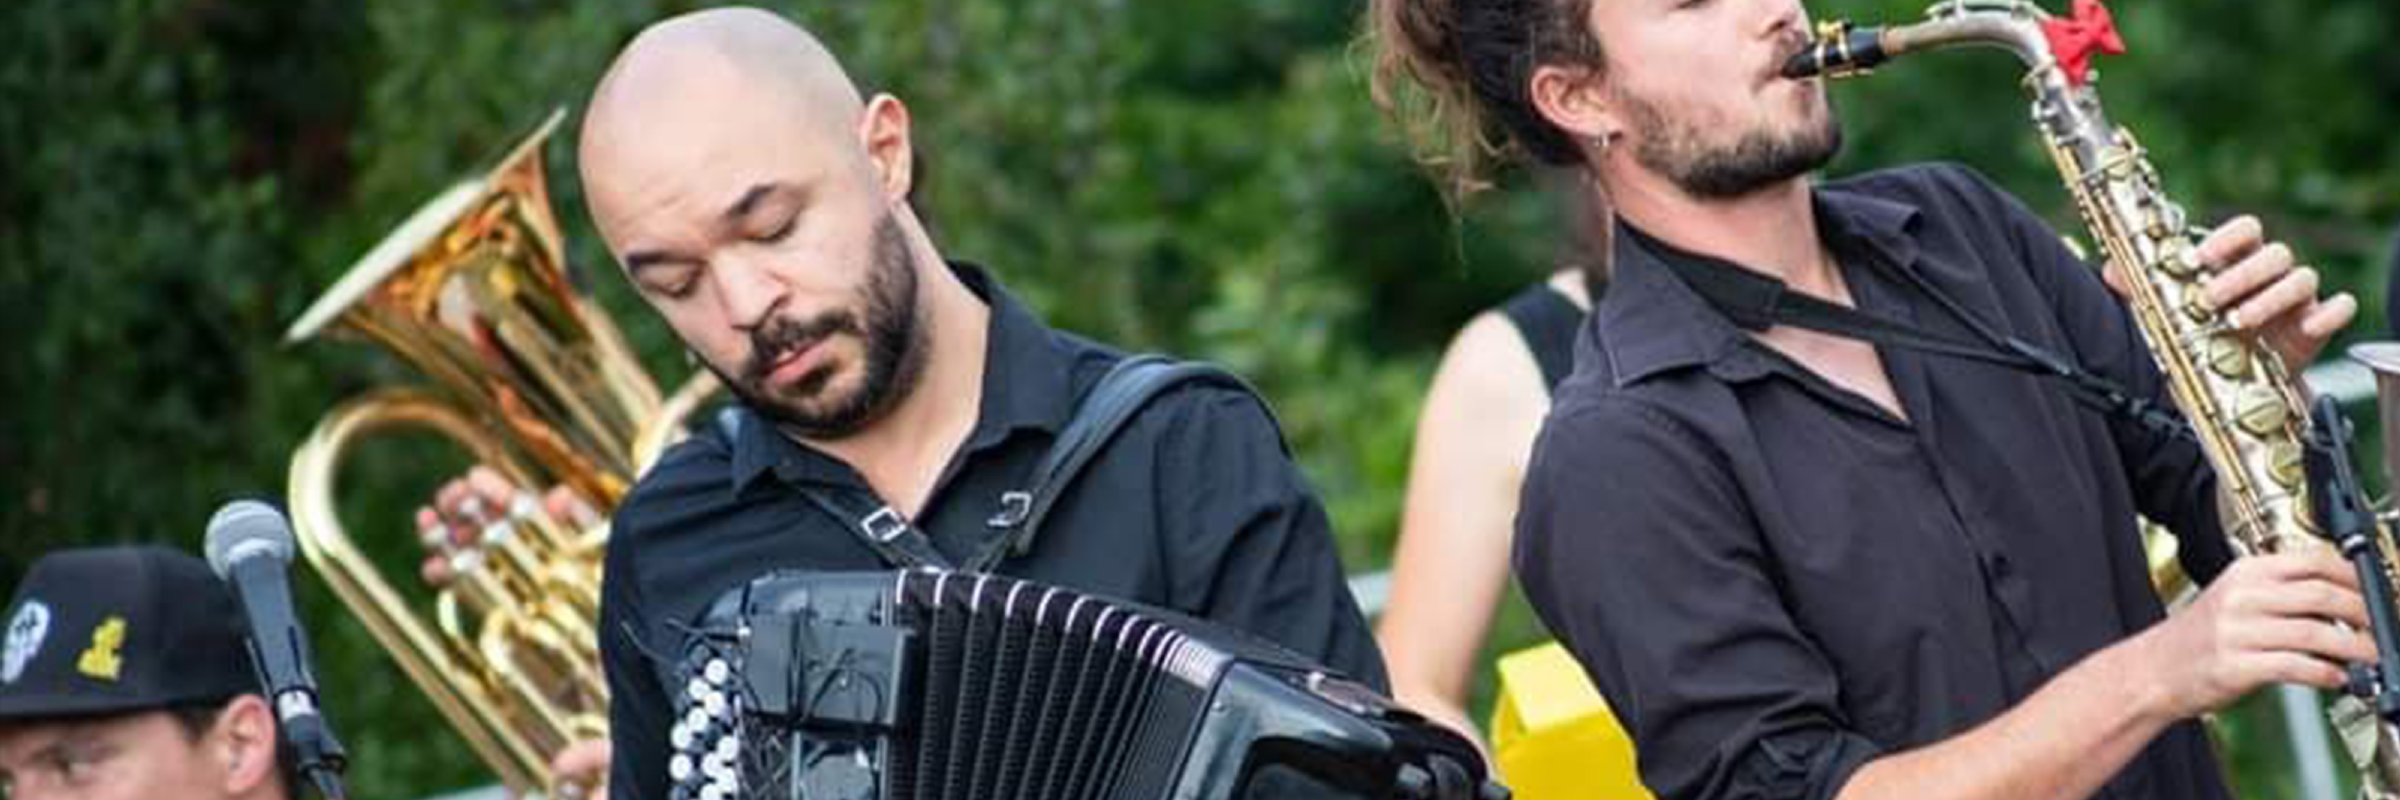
x=949, y=686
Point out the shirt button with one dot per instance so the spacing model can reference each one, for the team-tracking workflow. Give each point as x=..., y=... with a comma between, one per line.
x=2000, y=565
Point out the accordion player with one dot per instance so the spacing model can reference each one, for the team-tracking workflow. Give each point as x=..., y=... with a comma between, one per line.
x=950, y=685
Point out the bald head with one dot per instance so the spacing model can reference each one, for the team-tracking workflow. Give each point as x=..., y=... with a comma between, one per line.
x=759, y=53
x=761, y=207
x=703, y=108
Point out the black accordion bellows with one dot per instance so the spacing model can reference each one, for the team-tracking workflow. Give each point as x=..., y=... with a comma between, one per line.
x=931, y=685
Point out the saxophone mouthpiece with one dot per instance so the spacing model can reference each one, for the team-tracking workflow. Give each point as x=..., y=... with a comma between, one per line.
x=1839, y=51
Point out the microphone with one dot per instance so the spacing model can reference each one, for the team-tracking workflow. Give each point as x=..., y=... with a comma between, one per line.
x=250, y=548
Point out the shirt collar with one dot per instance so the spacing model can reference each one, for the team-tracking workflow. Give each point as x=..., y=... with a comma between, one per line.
x=1026, y=385
x=1651, y=321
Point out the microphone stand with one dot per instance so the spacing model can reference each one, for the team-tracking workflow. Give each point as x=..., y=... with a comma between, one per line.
x=2342, y=515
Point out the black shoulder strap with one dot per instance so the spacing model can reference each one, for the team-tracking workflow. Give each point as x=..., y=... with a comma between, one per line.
x=877, y=525
x=1127, y=387
x=1122, y=392
x=1757, y=302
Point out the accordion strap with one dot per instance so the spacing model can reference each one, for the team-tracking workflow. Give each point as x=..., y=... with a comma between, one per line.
x=1121, y=393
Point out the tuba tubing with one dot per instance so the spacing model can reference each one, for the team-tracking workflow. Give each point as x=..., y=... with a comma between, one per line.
x=531, y=379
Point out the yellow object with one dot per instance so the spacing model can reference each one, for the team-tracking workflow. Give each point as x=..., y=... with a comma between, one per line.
x=1554, y=736
x=101, y=660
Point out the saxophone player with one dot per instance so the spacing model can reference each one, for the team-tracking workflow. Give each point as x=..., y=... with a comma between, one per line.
x=1800, y=564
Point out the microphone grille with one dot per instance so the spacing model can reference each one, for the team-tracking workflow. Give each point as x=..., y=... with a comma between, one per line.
x=245, y=529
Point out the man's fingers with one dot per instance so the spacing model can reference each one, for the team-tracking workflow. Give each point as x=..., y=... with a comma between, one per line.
x=583, y=758
x=495, y=491
x=431, y=532
x=2330, y=316
x=2290, y=667
x=2296, y=290
x=2319, y=563
x=435, y=571
x=2114, y=276
x=565, y=506
x=2310, y=599
x=2232, y=241
x=451, y=497
x=2313, y=637
x=2246, y=276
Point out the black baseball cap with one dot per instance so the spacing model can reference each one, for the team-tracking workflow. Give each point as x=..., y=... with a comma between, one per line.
x=117, y=629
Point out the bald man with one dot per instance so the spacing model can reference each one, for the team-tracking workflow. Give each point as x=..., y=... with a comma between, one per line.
x=758, y=202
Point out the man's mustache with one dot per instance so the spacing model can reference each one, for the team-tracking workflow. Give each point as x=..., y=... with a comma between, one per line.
x=781, y=336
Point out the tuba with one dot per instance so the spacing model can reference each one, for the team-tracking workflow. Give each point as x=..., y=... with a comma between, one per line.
x=533, y=380
x=2242, y=401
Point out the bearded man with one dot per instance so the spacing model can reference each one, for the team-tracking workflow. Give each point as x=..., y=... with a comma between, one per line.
x=1798, y=564
x=759, y=204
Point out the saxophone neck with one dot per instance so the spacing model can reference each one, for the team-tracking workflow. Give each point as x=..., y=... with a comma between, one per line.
x=1843, y=50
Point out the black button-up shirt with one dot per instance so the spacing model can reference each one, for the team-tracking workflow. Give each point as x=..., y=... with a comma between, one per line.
x=1774, y=580
x=1194, y=506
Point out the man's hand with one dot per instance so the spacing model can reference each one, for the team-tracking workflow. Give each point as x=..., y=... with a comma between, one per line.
x=462, y=508
x=2263, y=294
x=2267, y=619
x=582, y=770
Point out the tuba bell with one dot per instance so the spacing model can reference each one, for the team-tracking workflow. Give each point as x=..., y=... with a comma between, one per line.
x=535, y=381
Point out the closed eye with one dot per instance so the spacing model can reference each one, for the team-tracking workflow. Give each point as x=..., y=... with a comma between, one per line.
x=781, y=232
x=674, y=282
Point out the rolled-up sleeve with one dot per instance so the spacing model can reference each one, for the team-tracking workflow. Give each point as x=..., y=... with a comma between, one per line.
x=1637, y=549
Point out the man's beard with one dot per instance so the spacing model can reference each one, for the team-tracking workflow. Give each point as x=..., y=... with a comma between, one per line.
x=1679, y=150
x=891, y=330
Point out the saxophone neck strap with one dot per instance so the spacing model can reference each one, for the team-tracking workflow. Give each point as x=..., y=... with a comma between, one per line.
x=1757, y=302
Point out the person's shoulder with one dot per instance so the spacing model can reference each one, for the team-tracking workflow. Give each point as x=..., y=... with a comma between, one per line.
x=1489, y=365
x=1920, y=178
x=1923, y=182
x=701, y=465
x=1592, y=418
x=1205, y=409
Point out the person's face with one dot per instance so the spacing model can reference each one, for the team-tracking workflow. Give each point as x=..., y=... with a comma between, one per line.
x=1702, y=100
x=130, y=757
x=773, y=244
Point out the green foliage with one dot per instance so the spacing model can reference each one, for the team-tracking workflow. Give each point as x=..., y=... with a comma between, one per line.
x=179, y=179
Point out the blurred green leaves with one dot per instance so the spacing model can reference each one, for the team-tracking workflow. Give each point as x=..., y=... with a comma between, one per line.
x=179, y=178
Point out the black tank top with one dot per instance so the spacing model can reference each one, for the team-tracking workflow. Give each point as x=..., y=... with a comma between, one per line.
x=1547, y=320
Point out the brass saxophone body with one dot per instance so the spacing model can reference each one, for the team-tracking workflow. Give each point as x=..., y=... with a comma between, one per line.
x=2242, y=401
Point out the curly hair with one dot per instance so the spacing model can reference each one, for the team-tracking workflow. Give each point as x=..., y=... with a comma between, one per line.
x=1457, y=76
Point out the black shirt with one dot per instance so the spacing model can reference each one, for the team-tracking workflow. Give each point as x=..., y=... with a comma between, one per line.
x=1194, y=506
x=1773, y=580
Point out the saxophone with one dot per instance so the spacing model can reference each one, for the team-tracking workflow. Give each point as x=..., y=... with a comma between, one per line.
x=2243, y=402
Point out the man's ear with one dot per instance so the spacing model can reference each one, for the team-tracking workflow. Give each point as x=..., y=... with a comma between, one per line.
x=884, y=129
x=243, y=741
x=1576, y=100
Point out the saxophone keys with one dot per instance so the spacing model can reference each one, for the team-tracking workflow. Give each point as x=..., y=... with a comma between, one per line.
x=2195, y=305
x=2284, y=464
x=2228, y=356
x=2183, y=262
x=2261, y=410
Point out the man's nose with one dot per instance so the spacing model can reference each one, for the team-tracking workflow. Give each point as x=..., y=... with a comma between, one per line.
x=749, y=290
x=1783, y=18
